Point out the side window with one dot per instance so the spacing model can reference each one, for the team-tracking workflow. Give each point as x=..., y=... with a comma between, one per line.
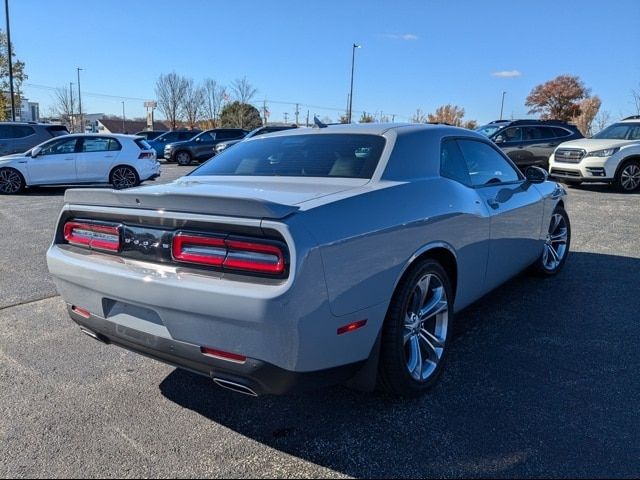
x=634, y=133
x=21, y=131
x=561, y=132
x=115, y=145
x=207, y=137
x=96, y=144
x=513, y=134
x=486, y=166
x=546, y=132
x=59, y=147
x=185, y=136
x=531, y=133
x=6, y=131
x=452, y=164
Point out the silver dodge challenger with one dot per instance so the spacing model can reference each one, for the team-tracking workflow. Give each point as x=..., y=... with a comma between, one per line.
x=309, y=257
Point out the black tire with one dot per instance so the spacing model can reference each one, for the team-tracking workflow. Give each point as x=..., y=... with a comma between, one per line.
x=11, y=181
x=394, y=367
x=572, y=183
x=546, y=265
x=183, y=158
x=628, y=177
x=122, y=177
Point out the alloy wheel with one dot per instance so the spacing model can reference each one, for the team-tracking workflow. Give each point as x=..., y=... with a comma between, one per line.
x=183, y=158
x=124, y=177
x=555, y=247
x=425, y=327
x=630, y=177
x=10, y=181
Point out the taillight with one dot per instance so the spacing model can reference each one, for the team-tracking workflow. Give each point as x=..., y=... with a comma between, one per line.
x=93, y=235
x=145, y=155
x=232, y=253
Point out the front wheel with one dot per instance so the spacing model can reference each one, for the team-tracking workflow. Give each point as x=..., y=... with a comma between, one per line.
x=628, y=178
x=11, y=181
x=415, y=335
x=183, y=158
x=124, y=177
x=556, y=246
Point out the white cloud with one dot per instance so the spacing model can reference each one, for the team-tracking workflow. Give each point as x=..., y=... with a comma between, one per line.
x=404, y=36
x=507, y=74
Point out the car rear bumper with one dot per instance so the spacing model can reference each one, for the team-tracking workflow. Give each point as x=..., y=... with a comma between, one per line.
x=252, y=376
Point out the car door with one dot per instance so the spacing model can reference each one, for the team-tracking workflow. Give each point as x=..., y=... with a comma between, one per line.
x=97, y=156
x=55, y=163
x=510, y=142
x=538, y=146
x=204, y=144
x=515, y=207
x=26, y=138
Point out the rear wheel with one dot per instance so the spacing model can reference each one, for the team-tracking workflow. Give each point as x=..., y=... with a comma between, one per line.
x=416, y=331
x=183, y=158
x=556, y=247
x=628, y=178
x=124, y=177
x=11, y=181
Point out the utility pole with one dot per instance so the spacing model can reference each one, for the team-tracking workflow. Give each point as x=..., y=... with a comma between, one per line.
x=353, y=62
x=307, y=118
x=80, y=103
x=393, y=118
x=502, y=105
x=264, y=111
x=9, y=55
x=297, y=113
x=123, y=129
x=71, y=107
x=286, y=117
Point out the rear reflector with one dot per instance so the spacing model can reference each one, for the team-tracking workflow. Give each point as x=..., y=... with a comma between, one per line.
x=81, y=311
x=232, y=357
x=231, y=253
x=352, y=327
x=92, y=235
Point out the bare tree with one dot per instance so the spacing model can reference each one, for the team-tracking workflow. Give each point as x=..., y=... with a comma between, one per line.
x=214, y=98
x=419, y=117
x=602, y=120
x=170, y=92
x=65, y=106
x=588, y=110
x=192, y=103
x=635, y=94
x=243, y=91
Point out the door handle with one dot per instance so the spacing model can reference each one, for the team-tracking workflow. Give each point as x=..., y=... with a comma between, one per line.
x=69, y=159
x=493, y=203
x=108, y=156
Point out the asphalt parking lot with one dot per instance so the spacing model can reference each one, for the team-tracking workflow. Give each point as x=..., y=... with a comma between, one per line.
x=542, y=381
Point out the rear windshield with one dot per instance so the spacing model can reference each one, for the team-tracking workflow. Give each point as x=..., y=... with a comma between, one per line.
x=142, y=143
x=315, y=155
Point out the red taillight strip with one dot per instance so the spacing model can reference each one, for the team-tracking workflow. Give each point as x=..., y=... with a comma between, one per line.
x=269, y=258
x=232, y=357
x=199, y=249
x=231, y=253
x=352, y=327
x=96, y=236
x=81, y=311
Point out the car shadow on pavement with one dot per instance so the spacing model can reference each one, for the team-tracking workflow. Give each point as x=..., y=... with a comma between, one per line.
x=541, y=381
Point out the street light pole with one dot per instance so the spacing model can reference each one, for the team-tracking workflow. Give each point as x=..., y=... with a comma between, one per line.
x=71, y=106
x=502, y=105
x=123, y=130
x=80, y=103
x=353, y=62
x=10, y=60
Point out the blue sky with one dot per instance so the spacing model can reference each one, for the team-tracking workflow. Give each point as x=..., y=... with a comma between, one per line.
x=415, y=54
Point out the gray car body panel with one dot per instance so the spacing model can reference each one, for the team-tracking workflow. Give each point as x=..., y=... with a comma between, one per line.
x=350, y=241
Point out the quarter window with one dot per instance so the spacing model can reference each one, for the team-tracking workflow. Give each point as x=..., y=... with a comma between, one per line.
x=452, y=164
x=485, y=165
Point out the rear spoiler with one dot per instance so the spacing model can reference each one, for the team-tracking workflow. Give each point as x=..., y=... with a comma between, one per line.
x=180, y=202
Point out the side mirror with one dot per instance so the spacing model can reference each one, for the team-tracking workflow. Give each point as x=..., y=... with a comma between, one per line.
x=499, y=139
x=536, y=175
x=36, y=151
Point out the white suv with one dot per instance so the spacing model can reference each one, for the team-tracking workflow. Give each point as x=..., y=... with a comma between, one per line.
x=612, y=156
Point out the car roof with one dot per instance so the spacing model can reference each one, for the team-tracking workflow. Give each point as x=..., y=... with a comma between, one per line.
x=108, y=135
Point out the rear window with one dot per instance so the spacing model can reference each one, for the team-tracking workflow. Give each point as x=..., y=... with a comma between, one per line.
x=57, y=130
x=315, y=155
x=142, y=143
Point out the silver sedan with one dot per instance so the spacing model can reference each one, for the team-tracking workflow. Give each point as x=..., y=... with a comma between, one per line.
x=309, y=257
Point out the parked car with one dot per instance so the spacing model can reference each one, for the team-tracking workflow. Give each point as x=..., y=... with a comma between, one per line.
x=200, y=147
x=18, y=137
x=150, y=134
x=530, y=142
x=253, y=133
x=161, y=141
x=611, y=156
x=120, y=160
x=309, y=257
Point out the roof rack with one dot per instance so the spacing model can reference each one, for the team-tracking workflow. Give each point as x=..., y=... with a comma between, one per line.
x=632, y=117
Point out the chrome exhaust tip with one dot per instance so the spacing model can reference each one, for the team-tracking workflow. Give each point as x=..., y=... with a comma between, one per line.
x=235, y=387
x=95, y=336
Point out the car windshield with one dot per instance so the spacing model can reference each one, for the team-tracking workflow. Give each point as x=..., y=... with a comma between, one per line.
x=620, y=131
x=315, y=155
x=488, y=130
